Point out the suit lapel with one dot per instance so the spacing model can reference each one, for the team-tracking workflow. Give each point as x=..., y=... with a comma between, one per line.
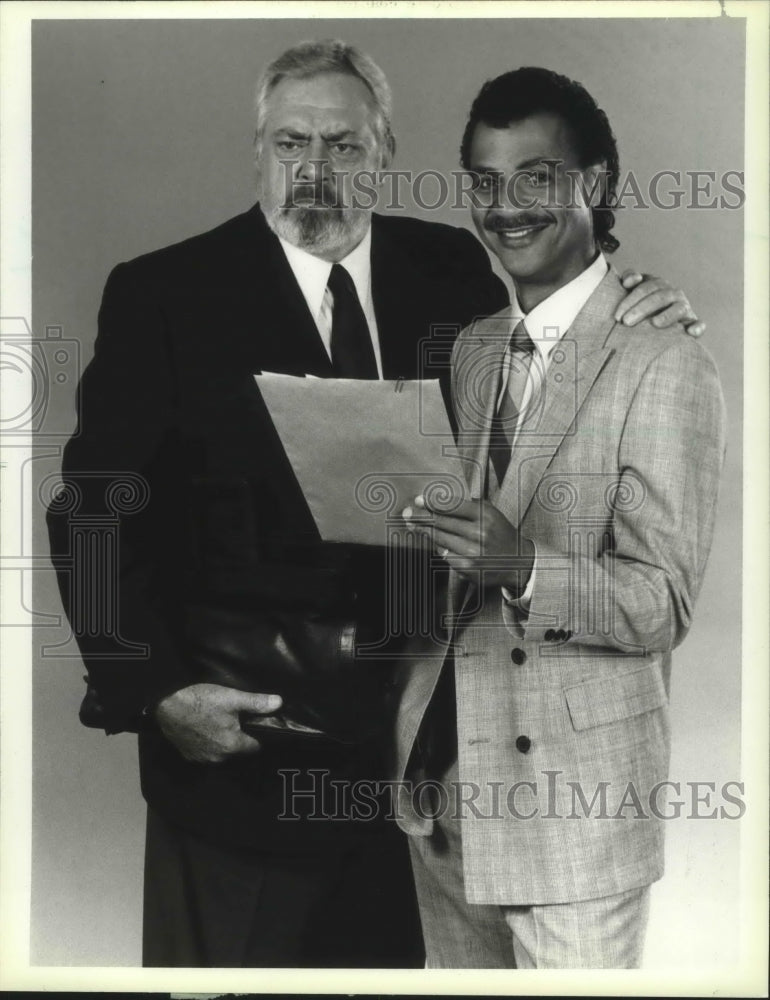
x=289, y=338
x=476, y=380
x=399, y=303
x=575, y=364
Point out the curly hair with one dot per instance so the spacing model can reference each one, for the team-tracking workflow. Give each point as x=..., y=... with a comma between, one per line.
x=527, y=91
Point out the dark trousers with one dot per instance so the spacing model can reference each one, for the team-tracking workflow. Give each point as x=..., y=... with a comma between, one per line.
x=206, y=905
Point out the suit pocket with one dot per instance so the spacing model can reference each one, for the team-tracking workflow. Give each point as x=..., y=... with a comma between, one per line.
x=605, y=700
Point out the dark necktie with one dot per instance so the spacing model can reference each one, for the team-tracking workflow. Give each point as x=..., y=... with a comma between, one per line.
x=351, y=343
x=513, y=381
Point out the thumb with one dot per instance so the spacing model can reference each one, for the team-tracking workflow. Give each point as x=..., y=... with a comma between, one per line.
x=262, y=704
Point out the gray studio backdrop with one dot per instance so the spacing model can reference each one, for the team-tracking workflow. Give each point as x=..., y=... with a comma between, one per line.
x=142, y=137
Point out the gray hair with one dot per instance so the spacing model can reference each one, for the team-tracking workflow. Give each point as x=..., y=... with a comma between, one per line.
x=330, y=56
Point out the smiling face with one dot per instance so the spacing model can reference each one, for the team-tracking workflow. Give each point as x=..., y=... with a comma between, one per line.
x=315, y=134
x=529, y=211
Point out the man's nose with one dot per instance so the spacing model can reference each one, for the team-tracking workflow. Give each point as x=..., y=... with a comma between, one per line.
x=515, y=194
x=313, y=162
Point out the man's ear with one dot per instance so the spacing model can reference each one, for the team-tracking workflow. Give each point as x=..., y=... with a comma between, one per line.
x=595, y=183
x=257, y=162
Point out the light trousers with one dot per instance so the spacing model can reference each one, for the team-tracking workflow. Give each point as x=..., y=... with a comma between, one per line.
x=604, y=933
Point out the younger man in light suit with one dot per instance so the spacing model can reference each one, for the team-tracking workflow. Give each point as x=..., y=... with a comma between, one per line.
x=593, y=459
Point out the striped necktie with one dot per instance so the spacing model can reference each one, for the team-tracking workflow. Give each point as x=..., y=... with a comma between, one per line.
x=513, y=382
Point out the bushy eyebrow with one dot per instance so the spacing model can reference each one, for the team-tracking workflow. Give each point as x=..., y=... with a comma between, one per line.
x=292, y=133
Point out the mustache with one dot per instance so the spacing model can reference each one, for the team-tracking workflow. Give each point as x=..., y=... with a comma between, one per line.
x=496, y=222
x=313, y=195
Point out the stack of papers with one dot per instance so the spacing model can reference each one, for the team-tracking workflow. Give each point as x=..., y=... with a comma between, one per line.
x=363, y=450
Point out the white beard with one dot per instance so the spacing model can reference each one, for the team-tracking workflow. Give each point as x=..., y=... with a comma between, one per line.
x=320, y=231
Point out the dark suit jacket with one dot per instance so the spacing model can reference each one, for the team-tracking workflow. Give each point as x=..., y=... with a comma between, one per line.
x=169, y=404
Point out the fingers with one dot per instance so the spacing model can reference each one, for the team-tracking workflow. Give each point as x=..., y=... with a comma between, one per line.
x=443, y=530
x=227, y=738
x=416, y=515
x=242, y=743
x=454, y=540
x=664, y=306
x=675, y=313
x=466, y=510
x=459, y=545
x=216, y=749
x=628, y=310
x=630, y=279
x=260, y=704
x=696, y=329
x=654, y=307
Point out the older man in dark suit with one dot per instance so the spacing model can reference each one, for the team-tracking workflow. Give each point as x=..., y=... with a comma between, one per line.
x=222, y=573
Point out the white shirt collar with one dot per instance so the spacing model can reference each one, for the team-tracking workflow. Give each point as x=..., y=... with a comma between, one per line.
x=312, y=273
x=550, y=319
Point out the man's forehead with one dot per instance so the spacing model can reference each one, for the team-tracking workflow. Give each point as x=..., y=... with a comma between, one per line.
x=544, y=134
x=325, y=96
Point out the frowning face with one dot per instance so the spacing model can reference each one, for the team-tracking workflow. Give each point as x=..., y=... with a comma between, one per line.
x=316, y=133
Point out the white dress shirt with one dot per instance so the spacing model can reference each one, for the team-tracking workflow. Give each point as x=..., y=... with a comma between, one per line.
x=312, y=276
x=546, y=324
x=550, y=319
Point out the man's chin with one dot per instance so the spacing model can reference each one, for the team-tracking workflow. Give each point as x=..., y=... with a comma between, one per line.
x=319, y=230
x=521, y=261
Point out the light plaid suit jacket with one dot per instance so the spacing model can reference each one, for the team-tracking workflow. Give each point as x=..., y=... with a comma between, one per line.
x=563, y=730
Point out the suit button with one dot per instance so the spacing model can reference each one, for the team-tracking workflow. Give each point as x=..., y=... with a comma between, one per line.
x=549, y=635
x=523, y=743
x=518, y=656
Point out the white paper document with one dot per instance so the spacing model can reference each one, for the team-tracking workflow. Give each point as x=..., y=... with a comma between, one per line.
x=363, y=450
